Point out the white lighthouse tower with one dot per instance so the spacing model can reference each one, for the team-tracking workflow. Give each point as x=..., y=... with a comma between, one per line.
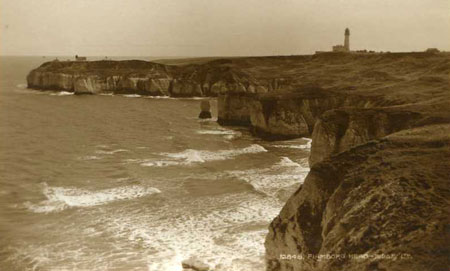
x=347, y=40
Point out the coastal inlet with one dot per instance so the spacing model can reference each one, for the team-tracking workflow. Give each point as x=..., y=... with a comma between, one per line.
x=133, y=183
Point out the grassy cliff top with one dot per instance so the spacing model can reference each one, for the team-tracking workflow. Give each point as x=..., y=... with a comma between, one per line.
x=399, y=78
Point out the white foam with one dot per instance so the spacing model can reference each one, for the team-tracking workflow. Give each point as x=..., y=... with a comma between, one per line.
x=146, y=163
x=230, y=238
x=159, y=97
x=287, y=162
x=111, y=152
x=22, y=86
x=89, y=157
x=177, y=98
x=132, y=95
x=218, y=132
x=230, y=137
x=283, y=174
x=190, y=156
x=290, y=145
x=62, y=93
x=208, y=120
x=195, y=98
x=60, y=198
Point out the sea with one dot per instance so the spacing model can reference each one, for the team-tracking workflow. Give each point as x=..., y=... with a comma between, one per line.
x=125, y=182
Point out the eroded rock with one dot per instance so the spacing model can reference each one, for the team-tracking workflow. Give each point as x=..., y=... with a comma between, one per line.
x=194, y=264
x=383, y=205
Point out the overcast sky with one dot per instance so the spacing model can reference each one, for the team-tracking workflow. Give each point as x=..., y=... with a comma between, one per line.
x=218, y=27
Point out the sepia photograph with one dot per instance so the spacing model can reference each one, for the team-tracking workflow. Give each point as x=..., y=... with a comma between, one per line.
x=225, y=135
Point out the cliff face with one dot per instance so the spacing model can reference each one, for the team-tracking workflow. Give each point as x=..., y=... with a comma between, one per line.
x=379, y=124
x=372, y=193
x=338, y=130
x=386, y=197
x=288, y=116
x=95, y=84
x=376, y=197
x=141, y=77
x=378, y=187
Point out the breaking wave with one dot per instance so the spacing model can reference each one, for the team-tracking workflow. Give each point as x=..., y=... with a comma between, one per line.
x=217, y=132
x=270, y=180
x=60, y=198
x=62, y=93
x=190, y=156
x=111, y=152
x=291, y=145
x=132, y=95
x=22, y=86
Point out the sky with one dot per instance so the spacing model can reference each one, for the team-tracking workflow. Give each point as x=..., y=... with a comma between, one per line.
x=219, y=27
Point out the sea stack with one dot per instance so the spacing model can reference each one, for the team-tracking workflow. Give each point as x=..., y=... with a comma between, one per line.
x=205, y=108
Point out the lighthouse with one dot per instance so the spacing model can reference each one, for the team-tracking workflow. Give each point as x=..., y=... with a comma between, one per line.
x=347, y=40
x=346, y=47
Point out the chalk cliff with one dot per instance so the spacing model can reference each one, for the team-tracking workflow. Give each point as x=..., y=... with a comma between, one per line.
x=377, y=194
x=102, y=77
x=379, y=123
x=385, y=198
x=140, y=77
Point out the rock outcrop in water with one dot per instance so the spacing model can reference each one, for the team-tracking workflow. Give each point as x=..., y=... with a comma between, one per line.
x=378, y=190
x=205, y=110
x=194, y=264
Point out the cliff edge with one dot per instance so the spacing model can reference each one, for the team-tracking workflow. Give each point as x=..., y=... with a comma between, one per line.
x=383, y=205
x=377, y=196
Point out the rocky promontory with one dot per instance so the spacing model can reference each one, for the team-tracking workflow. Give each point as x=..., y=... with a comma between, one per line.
x=137, y=77
x=377, y=196
x=382, y=205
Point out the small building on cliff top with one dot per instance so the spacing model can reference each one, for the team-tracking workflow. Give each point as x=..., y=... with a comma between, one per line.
x=80, y=58
x=346, y=46
x=340, y=47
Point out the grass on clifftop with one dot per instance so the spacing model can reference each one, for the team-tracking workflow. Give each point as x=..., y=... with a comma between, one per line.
x=399, y=78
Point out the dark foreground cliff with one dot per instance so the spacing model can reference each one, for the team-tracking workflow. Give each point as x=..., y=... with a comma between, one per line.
x=383, y=205
x=377, y=196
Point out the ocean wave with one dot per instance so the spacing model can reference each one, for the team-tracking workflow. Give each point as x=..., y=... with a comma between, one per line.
x=207, y=120
x=159, y=97
x=269, y=181
x=100, y=154
x=288, y=144
x=132, y=95
x=177, y=98
x=22, y=86
x=190, y=156
x=60, y=198
x=218, y=132
x=111, y=152
x=227, y=239
x=89, y=157
x=61, y=93
x=287, y=162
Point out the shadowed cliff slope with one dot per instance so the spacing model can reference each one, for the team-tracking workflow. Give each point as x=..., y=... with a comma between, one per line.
x=388, y=197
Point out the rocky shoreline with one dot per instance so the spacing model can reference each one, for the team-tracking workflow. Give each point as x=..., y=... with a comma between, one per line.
x=379, y=180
